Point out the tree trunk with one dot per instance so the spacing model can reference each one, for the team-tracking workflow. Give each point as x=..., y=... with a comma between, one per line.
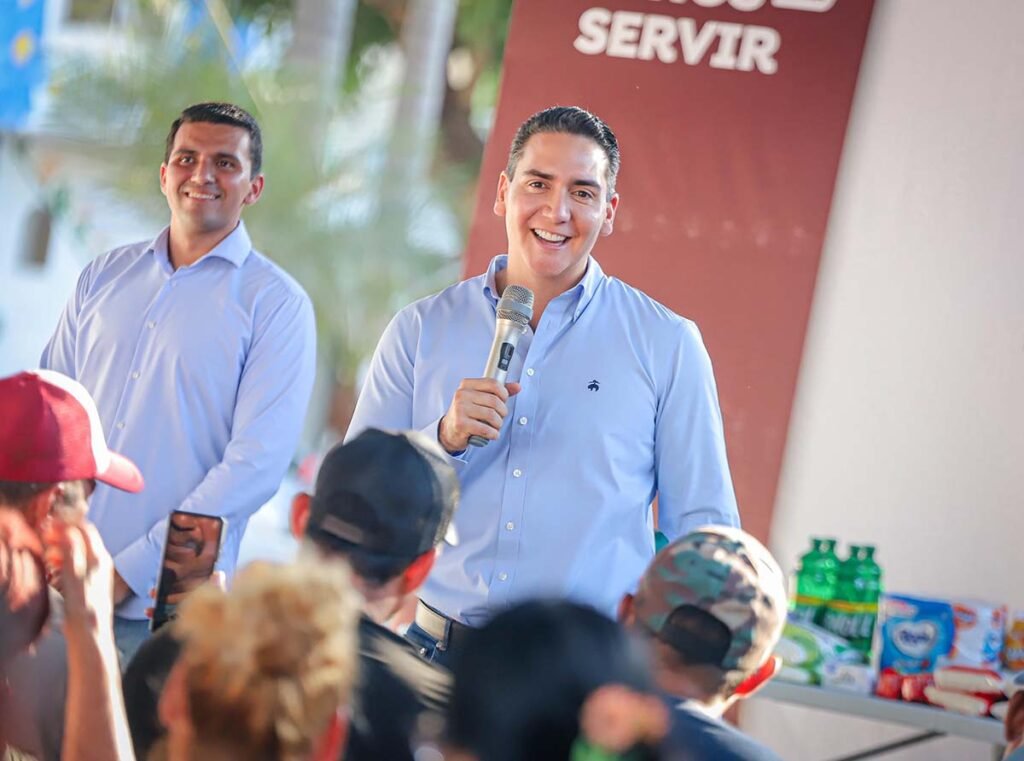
x=426, y=41
x=322, y=37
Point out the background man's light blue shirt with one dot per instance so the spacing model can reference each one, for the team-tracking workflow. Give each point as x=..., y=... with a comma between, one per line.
x=201, y=376
x=618, y=403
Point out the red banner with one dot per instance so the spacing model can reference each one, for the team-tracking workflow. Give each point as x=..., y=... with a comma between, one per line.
x=730, y=115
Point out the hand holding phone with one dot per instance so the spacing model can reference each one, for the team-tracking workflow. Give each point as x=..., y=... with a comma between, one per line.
x=190, y=553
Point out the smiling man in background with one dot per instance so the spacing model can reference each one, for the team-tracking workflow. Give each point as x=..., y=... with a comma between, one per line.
x=199, y=352
x=610, y=400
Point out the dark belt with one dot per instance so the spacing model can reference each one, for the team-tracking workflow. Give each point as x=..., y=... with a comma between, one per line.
x=448, y=633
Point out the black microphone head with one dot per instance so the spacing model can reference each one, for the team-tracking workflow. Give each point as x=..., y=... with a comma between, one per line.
x=516, y=304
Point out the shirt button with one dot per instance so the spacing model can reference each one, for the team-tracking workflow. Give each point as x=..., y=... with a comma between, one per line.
x=529, y=371
x=516, y=473
x=135, y=375
x=150, y=324
x=522, y=420
x=503, y=576
x=120, y=425
x=510, y=526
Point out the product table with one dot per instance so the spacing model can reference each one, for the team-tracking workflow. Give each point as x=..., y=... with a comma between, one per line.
x=935, y=722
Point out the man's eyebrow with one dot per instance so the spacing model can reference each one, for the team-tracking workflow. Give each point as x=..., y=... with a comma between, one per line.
x=538, y=173
x=222, y=155
x=586, y=182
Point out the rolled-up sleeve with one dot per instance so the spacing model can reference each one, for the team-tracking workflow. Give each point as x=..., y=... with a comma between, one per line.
x=693, y=480
x=386, y=399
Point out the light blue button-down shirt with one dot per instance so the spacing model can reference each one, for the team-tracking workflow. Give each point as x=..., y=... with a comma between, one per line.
x=201, y=376
x=618, y=403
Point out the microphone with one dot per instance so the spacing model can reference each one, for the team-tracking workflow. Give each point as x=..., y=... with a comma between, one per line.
x=515, y=310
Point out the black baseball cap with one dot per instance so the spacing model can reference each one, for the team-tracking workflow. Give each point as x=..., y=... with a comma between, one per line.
x=388, y=493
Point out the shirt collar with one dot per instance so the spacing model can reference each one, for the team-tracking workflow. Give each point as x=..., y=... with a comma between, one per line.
x=234, y=248
x=582, y=292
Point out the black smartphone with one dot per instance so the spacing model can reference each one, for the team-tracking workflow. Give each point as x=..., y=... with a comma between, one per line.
x=190, y=553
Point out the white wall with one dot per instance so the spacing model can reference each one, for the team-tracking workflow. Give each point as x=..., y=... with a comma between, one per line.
x=908, y=427
x=32, y=297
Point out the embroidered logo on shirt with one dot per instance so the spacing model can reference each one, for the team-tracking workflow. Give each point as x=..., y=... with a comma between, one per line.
x=594, y=385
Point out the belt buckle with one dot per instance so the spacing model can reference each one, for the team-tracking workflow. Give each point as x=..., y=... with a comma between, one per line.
x=442, y=644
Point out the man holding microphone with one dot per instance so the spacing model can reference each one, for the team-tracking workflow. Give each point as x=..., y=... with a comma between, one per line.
x=610, y=400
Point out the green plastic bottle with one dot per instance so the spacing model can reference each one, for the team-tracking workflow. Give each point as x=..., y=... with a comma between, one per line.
x=830, y=574
x=815, y=581
x=853, y=611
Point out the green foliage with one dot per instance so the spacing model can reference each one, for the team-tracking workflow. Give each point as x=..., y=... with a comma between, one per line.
x=358, y=270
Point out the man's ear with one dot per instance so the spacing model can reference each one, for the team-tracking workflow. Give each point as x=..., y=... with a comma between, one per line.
x=417, y=572
x=625, y=614
x=255, y=190
x=163, y=179
x=608, y=223
x=759, y=678
x=172, y=707
x=40, y=506
x=331, y=743
x=501, y=196
x=300, y=514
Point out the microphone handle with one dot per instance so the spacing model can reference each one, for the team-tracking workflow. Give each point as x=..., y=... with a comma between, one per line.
x=506, y=337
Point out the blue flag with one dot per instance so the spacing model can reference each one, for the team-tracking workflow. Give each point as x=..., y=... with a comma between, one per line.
x=22, y=68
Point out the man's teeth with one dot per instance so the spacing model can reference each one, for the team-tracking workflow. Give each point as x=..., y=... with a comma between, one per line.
x=550, y=237
x=202, y=196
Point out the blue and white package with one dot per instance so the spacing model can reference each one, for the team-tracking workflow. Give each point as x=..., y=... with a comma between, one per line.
x=916, y=632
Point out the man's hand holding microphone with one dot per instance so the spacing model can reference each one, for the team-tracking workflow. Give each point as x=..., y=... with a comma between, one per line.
x=480, y=405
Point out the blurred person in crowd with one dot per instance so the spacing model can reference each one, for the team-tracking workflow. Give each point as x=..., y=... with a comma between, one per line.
x=559, y=503
x=384, y=502
x=95, y=725
x=266, y=671
x=713, y=604
x=1013, y=727
x=52, y=453
x=24, y=608
x=200, y=354
x=521, y=680
x=143, y=684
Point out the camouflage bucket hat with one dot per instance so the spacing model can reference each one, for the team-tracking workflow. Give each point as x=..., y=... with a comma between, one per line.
x=728, y=574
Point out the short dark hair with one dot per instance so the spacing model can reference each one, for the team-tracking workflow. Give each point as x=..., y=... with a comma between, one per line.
x=221, y=113
x=143, y=683
x=570, y=120
x=372, y=568
x=699, y=641
x=15, y=494
x=521, y=680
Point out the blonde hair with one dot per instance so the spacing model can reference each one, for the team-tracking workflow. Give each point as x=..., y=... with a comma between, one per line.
x=268, y=664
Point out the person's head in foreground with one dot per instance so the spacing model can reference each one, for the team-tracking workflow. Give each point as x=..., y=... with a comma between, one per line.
x=384, y=501
x=521, y=680
x=557, y=195
x=52, y=449
x=714, y=604
x=266, y=670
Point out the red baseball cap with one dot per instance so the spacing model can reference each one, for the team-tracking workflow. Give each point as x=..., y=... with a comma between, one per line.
x=50, y=431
